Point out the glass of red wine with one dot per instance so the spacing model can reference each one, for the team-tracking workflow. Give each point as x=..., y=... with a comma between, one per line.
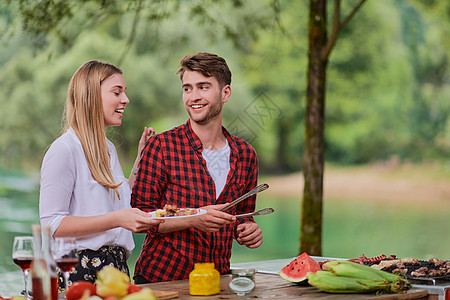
x=66, y=256
x=22, y=255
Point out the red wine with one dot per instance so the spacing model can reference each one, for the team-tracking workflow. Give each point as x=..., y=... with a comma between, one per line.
x=54, y=287
x=38, y=290
x=23, y=262
x=66, y=264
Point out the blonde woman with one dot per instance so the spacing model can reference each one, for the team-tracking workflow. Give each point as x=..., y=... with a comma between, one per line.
x=84, y=193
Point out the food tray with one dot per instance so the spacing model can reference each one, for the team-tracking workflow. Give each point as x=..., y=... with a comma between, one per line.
x=428, y=280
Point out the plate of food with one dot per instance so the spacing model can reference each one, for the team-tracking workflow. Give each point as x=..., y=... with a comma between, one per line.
x=170, y=212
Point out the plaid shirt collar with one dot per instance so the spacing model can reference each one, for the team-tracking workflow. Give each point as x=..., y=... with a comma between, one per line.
x=197, y=145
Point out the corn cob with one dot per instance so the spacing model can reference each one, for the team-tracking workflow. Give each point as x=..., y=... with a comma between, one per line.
x=332, y=283
x=400, y=286
x=351, y=269
x=349, y=277
x=345, y=268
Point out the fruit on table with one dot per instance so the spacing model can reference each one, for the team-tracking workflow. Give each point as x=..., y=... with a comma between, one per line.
x=132, y=288
x=297, y=269
x=143, y=294
x=349, y=277
x=112, y=282
x=78, y=289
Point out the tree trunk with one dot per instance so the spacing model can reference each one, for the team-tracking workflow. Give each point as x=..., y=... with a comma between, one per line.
x=313, y=157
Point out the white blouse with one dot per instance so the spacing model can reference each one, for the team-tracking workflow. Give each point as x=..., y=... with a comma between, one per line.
x=68, y=188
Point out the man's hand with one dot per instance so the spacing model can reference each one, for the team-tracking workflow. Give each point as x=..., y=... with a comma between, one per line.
x=249, y=234
x=213, y=220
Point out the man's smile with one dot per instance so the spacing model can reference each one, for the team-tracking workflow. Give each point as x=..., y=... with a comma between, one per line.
x=197, y=106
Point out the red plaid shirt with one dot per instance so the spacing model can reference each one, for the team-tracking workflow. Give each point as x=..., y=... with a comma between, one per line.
x=173, y=171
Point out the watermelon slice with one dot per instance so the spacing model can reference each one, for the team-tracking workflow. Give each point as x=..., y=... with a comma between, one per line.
x=298, y=268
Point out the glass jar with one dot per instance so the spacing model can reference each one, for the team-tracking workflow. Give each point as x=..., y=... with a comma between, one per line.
x=243, y=281
x=204, y=280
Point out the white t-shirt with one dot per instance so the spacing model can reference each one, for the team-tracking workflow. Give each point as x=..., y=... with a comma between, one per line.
x=68, y=188
x=218, y=164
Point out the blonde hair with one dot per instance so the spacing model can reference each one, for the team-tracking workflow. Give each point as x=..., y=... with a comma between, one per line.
x=84, y=113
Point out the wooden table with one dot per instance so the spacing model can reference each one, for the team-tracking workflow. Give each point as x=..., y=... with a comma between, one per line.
x=274, y=287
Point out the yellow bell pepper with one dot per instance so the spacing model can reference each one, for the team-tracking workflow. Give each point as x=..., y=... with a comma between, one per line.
x=112, y=282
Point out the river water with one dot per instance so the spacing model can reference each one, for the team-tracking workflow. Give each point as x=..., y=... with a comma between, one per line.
x=18, y=210
x=350, y=228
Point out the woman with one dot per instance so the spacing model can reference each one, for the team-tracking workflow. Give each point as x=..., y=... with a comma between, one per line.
x=84, y=193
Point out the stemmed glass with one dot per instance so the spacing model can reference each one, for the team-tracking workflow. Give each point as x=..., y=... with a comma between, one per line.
x=22, y=255
x=66, y=256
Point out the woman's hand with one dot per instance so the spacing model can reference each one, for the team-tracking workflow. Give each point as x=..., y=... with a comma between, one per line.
x=132, y=219
x=146, y=134
x=136, y=220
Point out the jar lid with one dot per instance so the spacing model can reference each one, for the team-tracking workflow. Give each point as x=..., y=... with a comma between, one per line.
x=204, y=265
x=241, y=285
x=246, y=271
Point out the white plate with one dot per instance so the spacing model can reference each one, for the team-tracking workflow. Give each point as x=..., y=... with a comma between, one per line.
x=199, y=212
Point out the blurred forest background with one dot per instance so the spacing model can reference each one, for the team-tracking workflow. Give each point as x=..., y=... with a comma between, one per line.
x=387, y=92
x=387, y=104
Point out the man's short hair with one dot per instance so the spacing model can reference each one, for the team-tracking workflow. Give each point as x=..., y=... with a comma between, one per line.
x=208, y=64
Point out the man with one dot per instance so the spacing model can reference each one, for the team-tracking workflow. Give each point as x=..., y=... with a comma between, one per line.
x=196, y=165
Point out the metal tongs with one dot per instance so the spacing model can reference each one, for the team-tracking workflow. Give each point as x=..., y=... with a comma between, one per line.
x=257, y=189
x=264, y=211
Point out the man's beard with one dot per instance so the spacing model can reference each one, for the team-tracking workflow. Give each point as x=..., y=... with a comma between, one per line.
x=213, y=112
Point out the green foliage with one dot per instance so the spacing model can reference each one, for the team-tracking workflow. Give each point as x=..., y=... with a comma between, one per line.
x=36, y=85
x=376, y=107
x=276, y=65
x=387, y=89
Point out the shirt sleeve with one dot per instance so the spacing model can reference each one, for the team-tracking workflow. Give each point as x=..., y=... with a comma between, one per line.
x=150, y=179
x=57, y=184
x=249, y=205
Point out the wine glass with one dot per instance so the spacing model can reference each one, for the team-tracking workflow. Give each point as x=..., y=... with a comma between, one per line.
x=66, y=256
x=22, y=255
